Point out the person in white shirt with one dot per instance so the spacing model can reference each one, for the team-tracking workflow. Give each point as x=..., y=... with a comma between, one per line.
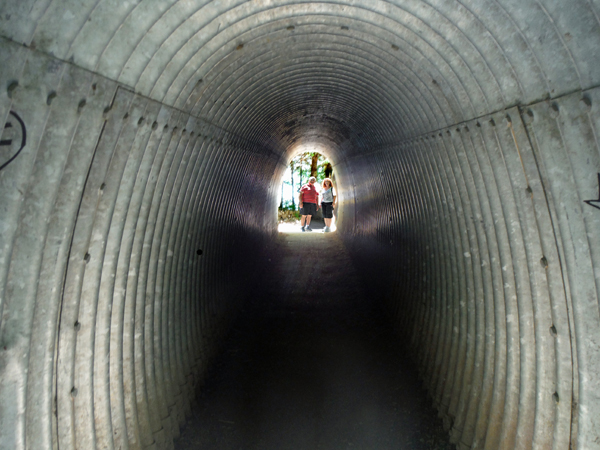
x=328, y=202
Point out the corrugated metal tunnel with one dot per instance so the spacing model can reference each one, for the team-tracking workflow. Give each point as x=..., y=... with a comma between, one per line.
x=140, y=161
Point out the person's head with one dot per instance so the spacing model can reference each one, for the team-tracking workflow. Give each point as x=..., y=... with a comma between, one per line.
x=327, y=183
x=312, y=180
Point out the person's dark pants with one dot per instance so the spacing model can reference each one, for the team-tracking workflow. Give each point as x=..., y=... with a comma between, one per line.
x=327, y=210
x=309, y=209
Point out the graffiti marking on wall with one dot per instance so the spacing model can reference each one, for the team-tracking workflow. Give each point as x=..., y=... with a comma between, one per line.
x=597, y=202
x=13, y=139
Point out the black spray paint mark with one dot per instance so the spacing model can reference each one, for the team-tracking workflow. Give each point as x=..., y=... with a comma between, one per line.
x=12, y=141
x=591, y=202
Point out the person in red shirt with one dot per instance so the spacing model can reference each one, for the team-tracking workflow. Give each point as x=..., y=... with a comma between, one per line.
x=307, y=201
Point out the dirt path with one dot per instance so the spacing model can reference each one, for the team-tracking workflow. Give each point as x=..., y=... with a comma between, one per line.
x=311, y=365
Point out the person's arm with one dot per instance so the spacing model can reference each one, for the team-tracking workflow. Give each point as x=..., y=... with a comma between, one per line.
x=334, y=201
x=300, y=200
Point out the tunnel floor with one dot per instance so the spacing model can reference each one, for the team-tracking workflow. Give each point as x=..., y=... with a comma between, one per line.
x=311, y=364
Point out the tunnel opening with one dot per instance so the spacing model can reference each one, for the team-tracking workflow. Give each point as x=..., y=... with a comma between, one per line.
x=307, y=163
x=464, y=135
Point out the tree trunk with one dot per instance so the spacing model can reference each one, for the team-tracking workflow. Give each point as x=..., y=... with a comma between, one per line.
x=313, y=165
x=293, y=193
x=281, y=202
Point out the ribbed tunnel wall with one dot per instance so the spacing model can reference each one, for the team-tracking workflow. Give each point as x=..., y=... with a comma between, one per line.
x=140, y=164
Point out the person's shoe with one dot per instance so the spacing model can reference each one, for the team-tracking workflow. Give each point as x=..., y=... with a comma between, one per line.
x=303, y=230
x=308, y=228
x=326, y=230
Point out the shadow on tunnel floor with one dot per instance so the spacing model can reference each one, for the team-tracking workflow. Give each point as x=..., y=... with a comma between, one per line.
x=317, y=367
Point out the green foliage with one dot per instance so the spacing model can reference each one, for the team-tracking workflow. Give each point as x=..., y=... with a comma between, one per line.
x=288, y=212
x=302, y=165
x=288, y=206
x=300, y=168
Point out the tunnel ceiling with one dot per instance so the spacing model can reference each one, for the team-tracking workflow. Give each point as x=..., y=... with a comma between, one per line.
x=345, y=75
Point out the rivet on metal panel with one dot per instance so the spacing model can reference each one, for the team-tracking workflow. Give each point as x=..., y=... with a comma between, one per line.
x=467, y=129
x=395, y=47
x=291, y=27
x=554, y=110
x=458, y=130
x=508, y=120
x=492, y=122
x=343, y=27
x=81, y=105
x=77, y=325
x=11, y=88
x=528, y=117
x=555, y=397
x=448, y=131
x=86, y=257
x=544, y=262
x=166, y=127
x=239, y=47
x=102, y=186
x=553, y=331
x=199, y=252
x=106, y=110
x=73, y=392
x=586, y=102
x=154, y=125
x=529, y=190
x=125, y=116
x=94, y=87
x=140, y=121
x=51, y=96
